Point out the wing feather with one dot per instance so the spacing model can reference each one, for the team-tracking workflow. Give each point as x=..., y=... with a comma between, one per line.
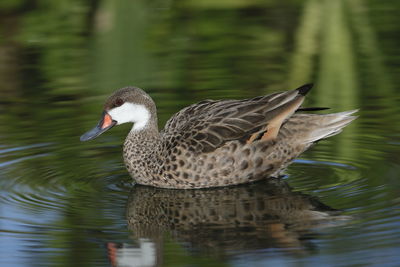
x=210, y=123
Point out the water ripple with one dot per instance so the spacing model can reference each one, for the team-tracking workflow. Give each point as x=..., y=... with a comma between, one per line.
x=20, y=148
x=11, y=162
x=329, y=163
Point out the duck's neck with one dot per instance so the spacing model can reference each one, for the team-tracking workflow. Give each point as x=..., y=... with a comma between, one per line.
x=139, y=138
x=141, y=149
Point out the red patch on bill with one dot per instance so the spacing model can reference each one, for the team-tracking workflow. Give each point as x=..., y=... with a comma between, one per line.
x=107, y=121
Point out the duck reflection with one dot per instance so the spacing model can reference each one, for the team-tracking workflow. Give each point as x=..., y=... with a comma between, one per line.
x=220, y=221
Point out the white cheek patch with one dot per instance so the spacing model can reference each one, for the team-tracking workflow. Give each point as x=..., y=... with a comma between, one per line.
x=129, y=112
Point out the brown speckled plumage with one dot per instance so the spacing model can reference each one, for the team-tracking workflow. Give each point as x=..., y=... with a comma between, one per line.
x=223, y=142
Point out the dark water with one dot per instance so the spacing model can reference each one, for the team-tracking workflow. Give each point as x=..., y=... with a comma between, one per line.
x=66, y=203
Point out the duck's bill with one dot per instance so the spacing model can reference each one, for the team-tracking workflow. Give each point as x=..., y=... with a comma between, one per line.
x=106, y=123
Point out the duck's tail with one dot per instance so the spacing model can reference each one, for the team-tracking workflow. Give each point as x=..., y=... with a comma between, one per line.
x=310, y=128
x=330, y=124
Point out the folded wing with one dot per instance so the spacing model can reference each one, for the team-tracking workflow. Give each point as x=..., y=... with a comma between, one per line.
x=205, y=126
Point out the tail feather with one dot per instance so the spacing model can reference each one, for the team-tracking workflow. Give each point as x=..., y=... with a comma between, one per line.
x=309, y=128
x=328, y=125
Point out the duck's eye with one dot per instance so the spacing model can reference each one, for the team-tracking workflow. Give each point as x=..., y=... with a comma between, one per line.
x=118, y=102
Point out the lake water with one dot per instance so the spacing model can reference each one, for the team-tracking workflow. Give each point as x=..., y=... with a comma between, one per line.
x=67, y=203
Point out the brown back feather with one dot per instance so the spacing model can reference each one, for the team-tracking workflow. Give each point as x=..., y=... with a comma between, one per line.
x=207, y=125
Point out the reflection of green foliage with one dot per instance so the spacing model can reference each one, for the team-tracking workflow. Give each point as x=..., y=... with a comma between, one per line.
x=306, y=47
x=336, y=41
x=190, y=51
x=53, y=32
x=10, y=5
x=175, y=255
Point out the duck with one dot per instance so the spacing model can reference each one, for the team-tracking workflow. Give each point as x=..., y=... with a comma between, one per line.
x=215, y=143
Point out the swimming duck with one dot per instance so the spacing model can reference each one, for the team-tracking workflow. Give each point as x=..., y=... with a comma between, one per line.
x=215, y=142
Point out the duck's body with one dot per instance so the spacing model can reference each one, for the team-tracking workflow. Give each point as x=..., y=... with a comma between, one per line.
x=215, y=143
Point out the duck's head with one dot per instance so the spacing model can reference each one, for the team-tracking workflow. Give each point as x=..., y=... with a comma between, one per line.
x=128, y=104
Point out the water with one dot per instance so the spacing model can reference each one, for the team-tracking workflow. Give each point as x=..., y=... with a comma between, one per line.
x=67, y=203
